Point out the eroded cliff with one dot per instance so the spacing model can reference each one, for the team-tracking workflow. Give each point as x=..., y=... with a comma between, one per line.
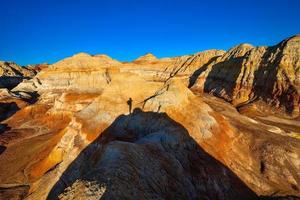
x=99, y=128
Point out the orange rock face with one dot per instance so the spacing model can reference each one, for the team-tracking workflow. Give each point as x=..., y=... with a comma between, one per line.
x=246, y=74
x=90, y=127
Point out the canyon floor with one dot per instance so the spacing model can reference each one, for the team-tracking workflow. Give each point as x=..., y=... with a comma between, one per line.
x=213, y=125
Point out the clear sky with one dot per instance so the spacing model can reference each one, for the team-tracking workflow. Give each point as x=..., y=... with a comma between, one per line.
x=39, y=31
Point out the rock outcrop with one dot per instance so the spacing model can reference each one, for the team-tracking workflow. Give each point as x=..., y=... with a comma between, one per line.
x=11, y=74
x=10, y=69
x=247, y=74
x=146, y=129
x=147, y=58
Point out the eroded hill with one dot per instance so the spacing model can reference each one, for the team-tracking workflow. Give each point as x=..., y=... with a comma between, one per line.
x=92, y=127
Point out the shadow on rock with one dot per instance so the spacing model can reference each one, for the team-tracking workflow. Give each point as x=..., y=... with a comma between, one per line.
x=29, y=97
x=10, y=82
x=3, y=128
x=223, y=76
x=147, y=155
x=7, y=110
x=2, y=149
x=265, y=80
x=14, y=193
x=193, y=78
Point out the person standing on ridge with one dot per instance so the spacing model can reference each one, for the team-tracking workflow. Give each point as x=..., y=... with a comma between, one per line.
x=129, y=103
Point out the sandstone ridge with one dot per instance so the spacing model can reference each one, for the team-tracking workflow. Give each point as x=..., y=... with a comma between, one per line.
x=212, y=125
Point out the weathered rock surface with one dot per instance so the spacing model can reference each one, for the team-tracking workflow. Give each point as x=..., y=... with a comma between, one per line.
x=246, y=74
x=11, y=74
x=11, y=69
x=148, y=58
x=99, y=128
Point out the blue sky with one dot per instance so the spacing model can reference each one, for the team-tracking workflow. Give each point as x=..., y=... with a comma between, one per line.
x=39, y=31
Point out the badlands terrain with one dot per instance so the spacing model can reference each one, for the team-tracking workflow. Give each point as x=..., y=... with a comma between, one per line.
x=213, y=125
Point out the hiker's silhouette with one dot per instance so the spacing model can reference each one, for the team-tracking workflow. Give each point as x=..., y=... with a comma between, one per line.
x=129, y=103
x=159, y=107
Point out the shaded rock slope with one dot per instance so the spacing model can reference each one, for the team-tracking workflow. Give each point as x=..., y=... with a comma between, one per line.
x=213, y=125
x=247, y=74
x=11, y=74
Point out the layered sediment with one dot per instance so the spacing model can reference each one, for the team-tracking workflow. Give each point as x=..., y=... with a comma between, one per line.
x=213, y=125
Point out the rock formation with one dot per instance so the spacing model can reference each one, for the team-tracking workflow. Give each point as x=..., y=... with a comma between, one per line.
x=91, y=127
x=247, y=74
x=11, y=74
x=148, y=58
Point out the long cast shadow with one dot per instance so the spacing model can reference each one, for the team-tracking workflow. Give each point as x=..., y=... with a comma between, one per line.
x=148, y=155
